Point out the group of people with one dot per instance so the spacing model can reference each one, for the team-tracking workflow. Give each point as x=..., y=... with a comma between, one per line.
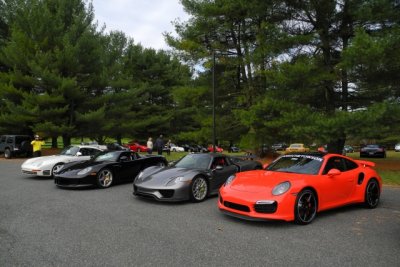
x=158, y=145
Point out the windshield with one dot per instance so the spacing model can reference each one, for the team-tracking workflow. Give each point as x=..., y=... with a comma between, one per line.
x=194, y=161
x=70, y=151
x=107, y=156
x=304, y=164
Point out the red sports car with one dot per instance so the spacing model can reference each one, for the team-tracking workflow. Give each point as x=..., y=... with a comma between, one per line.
x=295, y=187
x=137, y=147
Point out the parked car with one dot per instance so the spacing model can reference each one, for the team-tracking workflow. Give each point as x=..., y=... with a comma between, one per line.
x=233, y=149
x=217, y=149
x=106, y=169
x=293, y=148
x=194, y=177
x=175, y=148
x=397, y=147
x=137, y=147
x=348, y=149
x=373, y=150
x=279, y=147
x=295, y=187
x=48, y=165
x=13, y=145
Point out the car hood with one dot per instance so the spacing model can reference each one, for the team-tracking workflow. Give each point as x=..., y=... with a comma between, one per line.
x=46, y=159
x=164, y=175
x=77, y=166
x=259, y=181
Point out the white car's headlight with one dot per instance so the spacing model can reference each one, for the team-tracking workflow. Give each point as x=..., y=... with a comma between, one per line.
x=229, y=180
x=281, y=188
x=85, y=171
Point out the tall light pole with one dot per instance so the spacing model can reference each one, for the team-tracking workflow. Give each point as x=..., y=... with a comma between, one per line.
x=213, y=99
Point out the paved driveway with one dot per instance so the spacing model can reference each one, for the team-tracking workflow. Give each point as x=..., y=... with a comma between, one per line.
x=42, y=225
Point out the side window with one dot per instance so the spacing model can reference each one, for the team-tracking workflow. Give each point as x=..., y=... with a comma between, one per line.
x=334, y=163
x=84, y=151
x=3, y=139
x=219, y=161
x=350, y=165
x=9, y=140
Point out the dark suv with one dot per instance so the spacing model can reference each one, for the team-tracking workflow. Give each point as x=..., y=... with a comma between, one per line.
x=12, y=145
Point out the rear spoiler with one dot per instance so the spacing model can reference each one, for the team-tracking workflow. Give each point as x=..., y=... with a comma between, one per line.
x=366, y=163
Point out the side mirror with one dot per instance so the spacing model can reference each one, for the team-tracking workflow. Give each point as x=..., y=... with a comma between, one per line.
x=219, y=167
x=123, y=158
x=265, y=166
x=78, y=154
x=333, y=172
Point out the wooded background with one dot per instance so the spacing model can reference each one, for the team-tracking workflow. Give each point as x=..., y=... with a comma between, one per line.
x=319, y=71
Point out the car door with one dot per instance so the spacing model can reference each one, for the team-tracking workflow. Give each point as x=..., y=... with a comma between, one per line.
x=336, y=189
x=128, y=167
x=221, y=169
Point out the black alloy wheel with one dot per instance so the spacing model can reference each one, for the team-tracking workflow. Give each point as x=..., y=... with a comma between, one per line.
x=305, y=208
x=372, y=194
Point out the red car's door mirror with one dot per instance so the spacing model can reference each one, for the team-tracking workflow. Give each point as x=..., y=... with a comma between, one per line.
x=333, y=172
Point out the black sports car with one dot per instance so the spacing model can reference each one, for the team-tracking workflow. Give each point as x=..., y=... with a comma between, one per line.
x=193, y=177
x=106, y=169
x=373, y=151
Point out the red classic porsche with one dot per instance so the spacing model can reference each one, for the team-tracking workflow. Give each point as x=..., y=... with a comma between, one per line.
x=137, y=147
x=295, y=187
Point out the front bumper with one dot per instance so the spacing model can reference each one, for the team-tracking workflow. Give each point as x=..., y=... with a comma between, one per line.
x=75, y=182
x=167, y=194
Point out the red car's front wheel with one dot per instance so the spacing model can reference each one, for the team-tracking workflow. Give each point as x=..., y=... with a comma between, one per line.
x=305, y=208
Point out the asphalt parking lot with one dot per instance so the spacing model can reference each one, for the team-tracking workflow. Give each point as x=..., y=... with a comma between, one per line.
x=42, y=225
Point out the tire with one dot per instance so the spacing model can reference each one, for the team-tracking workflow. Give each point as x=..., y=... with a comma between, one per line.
x=305, y=208
x=372, y=194
x=198, y=189
x=56, y=168
x=104, y=178
x=7, y=153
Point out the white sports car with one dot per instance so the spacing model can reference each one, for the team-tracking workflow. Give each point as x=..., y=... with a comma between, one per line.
x=47, y=165
x=175, y=148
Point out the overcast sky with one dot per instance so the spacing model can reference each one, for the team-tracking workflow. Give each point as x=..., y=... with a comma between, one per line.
x=143, y=20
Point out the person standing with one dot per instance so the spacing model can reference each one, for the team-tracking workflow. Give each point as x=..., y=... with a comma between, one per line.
x=37, y=146
x=150, y=145
x=168, y=147
x=159, y=144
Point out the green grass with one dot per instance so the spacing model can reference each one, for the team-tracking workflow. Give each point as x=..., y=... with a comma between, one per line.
x=390, y=177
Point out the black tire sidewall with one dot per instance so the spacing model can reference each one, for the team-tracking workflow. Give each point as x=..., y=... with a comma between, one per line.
x=367, y=205
x=297, y=219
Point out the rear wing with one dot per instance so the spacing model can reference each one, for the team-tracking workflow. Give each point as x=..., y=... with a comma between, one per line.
x=366, y=163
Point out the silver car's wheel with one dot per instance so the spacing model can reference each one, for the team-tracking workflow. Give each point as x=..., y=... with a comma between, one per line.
x=372, y=194
x=104, y=178
x=305, y=207
x=56, y=168
x=198, y=189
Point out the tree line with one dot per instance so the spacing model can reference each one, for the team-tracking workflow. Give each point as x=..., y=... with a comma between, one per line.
x=294, y=71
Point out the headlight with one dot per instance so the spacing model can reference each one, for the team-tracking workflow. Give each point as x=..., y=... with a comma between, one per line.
x=179, y=179
x=281, y=188
x=85, y=171
x=229, y=180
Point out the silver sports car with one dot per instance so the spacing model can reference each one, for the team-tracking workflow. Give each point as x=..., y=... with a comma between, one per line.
x=193, y=177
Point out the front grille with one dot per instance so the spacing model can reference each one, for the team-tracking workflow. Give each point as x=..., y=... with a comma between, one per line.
x=236, y=206
x=266, y=208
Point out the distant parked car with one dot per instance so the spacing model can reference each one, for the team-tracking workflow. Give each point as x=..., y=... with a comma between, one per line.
x=233, y=149
x=12, y=145
x=373, y=151
x=279, y=147
x=293, y=148
x=175, y=148
x=348, y=149
x=397, y=147
x=137, y=147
